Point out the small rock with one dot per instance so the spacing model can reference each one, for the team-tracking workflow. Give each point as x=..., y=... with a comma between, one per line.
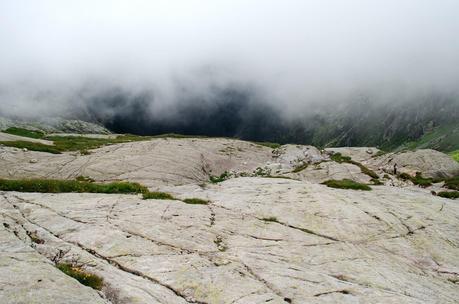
x=33, y=161
x=25, y=149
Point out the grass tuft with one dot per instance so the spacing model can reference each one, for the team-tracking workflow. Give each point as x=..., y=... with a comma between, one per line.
x=195, y=201
x=158, y=196
x=65, y=186
x=218, y=179
x=346, y=184
x=449, y=194
x=85, y=278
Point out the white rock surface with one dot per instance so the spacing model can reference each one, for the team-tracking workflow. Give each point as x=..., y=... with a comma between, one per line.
x=259, y=240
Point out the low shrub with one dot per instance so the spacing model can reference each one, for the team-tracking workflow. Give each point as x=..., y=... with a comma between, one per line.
x=85, y=278
x=346, y=184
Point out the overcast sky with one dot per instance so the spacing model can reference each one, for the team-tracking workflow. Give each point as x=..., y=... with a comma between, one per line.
x=294, y=52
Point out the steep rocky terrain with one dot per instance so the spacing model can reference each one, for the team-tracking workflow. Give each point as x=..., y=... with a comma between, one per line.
x=259, y=239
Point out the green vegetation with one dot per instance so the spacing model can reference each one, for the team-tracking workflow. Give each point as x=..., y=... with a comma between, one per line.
x=270, y=219
x=339, y=158
x=31, y=146
x=417, y=180
x=157, y=195
x=346, y=184
x=300, y=168
x=218, y=179
x=72, y=143
x=25, y=132
x=195, y=201
x=449, y=194
x=81, y=276
x=267, y=144
x=452, y=183
x=455, y=155
x=59, y=186
x=376, y=182
x=84, y=179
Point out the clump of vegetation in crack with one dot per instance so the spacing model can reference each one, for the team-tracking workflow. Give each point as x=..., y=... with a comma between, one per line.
x=449, y=194
x=25, y=132
x=339, y=158
x=219, y=242
x=85, y=278
x=300, y=167
x=376, y=182
x=65, y=186
x=270, y=219
x=379, y=153
x=218, y=179
x=82, y=178
x=346, y=184
x=157, y=195
x=262, y=172
x=195, y=201
x=417, y=179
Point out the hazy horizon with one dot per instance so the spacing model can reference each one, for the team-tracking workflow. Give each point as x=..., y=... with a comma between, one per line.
x=59, y=56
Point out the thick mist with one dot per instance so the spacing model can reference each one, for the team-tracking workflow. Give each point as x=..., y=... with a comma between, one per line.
x=154, y=66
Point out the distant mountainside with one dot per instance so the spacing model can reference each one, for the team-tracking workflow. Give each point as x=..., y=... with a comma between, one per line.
x=54, y=125
x=432, y=122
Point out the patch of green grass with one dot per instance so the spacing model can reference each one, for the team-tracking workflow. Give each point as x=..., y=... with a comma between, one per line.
x=346, y=184
x=455, y=155
x=195, y=201
x=65, y=186
x=452, y=183
x=25, y=132
x=339, y=158
x=73, y=143
x=85, y=278
x=300, y=168
x=31, y=146
x=268, y=144
x=417, y=180
x=158, y=196
x=449, y=194
x=218, y=179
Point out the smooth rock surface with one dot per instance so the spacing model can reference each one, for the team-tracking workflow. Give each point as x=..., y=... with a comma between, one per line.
x=258, y=240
